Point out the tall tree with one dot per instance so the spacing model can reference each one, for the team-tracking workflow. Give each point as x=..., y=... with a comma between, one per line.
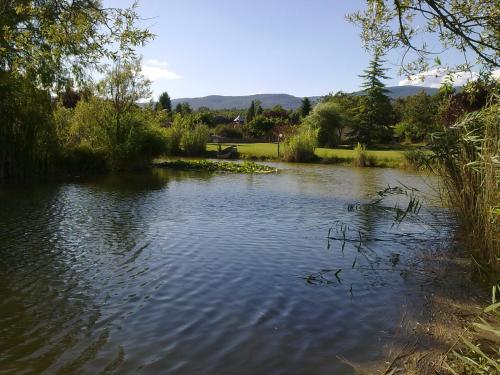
x=417, y=116
x=305, y=107
x=250, y=112
x=375, y=112
x=164, y=102
x=124, y=85
x=258, y=108
x=183, y=108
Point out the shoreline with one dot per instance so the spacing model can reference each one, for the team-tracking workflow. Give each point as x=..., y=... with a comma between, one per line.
x=435, y=318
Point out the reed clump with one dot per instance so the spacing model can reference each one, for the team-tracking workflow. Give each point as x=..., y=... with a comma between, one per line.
x=467, y=159
x=300, y=147
x=362, y=158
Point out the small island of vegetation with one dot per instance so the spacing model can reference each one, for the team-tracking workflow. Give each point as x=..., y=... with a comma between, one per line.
x=214, y=166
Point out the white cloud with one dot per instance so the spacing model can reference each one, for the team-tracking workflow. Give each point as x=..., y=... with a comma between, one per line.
x=436, y=77
x=157, y=70
x=156, y=62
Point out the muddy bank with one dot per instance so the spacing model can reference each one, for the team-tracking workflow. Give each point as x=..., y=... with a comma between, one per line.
x=436, y=317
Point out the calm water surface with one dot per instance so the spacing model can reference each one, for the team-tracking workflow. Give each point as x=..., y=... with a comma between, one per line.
x=191, y=273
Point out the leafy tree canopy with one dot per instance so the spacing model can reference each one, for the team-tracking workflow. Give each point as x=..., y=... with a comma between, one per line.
x=49, y=41
x=470, y=26
x=327, y=120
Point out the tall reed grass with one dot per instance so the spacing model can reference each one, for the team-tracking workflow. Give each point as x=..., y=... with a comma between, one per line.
x=467, y=159
x=300, y=147
x=361, y=157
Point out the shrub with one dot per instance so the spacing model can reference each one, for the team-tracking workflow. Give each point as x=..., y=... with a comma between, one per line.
x=300, y=147
x=82, y=159
x=194, y=141
x=62, y=121
x=173, y=135
x=228, y=131
x=27, y=131
x=144, y=140
x=360, y=156
x=91, y=124
x=93, y=129
x=261, y=126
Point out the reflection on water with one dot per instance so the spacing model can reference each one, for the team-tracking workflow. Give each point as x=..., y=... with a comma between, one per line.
x=189, y=273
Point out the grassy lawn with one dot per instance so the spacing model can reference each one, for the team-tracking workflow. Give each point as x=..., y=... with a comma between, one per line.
x=249, y=150
x=388, y=158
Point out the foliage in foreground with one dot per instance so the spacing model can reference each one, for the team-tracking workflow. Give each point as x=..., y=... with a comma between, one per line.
x=468, y=160
x=217, y=166
x=481, y=355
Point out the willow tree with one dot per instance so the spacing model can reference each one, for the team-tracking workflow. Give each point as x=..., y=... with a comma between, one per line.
x=43, y=45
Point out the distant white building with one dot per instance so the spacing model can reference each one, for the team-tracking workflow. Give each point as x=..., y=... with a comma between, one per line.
x=239, y=120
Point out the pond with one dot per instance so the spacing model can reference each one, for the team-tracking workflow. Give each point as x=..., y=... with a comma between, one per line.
x=175, y=272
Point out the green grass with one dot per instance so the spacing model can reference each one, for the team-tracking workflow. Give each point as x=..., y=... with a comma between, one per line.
x=252, y=150
x=382, y=158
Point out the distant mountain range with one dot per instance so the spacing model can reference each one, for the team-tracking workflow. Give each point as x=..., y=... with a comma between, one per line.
x=285, y=100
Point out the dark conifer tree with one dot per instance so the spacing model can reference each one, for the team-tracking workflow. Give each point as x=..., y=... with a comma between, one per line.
x=305, y=107
x=376, y=112
x=164, y=102
x=250, y=112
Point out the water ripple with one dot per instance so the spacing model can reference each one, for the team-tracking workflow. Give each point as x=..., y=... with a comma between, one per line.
x=185, y=273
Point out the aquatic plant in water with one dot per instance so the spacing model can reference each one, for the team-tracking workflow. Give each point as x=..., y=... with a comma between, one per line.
x=220, y=166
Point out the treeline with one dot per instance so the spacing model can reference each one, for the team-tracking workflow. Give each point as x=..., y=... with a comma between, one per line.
x=47, y=45
x=55, y=119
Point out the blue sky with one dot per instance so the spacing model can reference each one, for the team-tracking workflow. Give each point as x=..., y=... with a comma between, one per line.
x=240, y=47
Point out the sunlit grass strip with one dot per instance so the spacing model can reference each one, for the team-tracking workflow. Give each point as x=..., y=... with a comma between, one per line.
x=269, y=151
x=216, y=166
